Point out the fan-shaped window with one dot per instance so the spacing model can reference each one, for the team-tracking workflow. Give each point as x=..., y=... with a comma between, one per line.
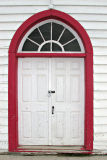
x=51, y=36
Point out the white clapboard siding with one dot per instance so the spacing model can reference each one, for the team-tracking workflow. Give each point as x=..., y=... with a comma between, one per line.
x=100, y=120
x=4, y=43
x=100, y=128
x=6, y=34
x=80, y=2
x=99, y=42
x=99, y=50
x=22, y=9
x=3, y=69
x=4, y=51
x=100, y=112
x=100, y=59
x=100, y=86
x=100, y=95
x=101, y=147
x=100, y=68
x=100, y=78
x=99, y=103
x=4, y=145
x=3, y=129
x=20, y=17
x=4, y=60
x=3, y=137
x=87, y=25
x=97, y=33
x=3, y=89
x=14, y=17
x=92, y=14
x=100, y=137
x=3, y=96
x=94, y=25
x=3, y=121
x=25, y=2
x=91, y=17
x=3, y=113
x=4, y=105
x=82, y=9
x=3, y=79
x=9, y=26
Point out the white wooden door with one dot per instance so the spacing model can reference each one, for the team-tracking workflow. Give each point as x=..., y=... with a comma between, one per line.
x=37, y=125
x=33, y=101
x=68, y=101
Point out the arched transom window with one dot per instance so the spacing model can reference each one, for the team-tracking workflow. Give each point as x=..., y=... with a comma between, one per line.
x=51, y=36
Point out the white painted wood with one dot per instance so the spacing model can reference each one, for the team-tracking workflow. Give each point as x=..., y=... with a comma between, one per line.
x=22, y=9
x=14, y=17
x=100, y=59
x=4, y=105
x=98, y=50
x=100, y=128
x=4, y=60
x=90, y=17
x=100, y=68
x=3, y=69
x=3, y=96
x=3, y=52
x=4, y=145
x=92, y=14
x=82, y=9
x=3, y=79
x=100, y=103
x=80, y=2
x=100, y=78
x=68, y=101
x=35, y=77
x=93, y=33
x=3, y=137
x=33, y=101
x=100, y=95
x=3, y=129
x=6, y=34
x=100, y=112
x=25, y=3
x=100, y=86
x=99, y=42
x=79, y=16
x=100, y=120
x=9, y=26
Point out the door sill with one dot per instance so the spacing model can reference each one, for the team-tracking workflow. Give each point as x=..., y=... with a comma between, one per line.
x=52, y=149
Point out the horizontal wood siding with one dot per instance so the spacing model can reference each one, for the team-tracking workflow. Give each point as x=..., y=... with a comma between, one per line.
x=92, y=14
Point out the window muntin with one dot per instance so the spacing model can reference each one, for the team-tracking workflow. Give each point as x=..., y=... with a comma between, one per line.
x=51, y=36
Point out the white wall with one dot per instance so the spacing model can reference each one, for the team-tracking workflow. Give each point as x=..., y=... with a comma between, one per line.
x=92, y=14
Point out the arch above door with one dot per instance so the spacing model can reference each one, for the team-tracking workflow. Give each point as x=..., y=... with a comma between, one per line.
x=15, y=52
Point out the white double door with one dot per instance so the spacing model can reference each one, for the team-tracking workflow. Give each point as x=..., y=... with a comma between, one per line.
x=51, y=118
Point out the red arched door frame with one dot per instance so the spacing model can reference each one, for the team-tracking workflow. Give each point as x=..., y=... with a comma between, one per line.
x=12, y=73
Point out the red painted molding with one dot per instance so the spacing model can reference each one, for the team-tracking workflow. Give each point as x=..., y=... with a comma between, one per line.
x=12, y=73
x=81, y=55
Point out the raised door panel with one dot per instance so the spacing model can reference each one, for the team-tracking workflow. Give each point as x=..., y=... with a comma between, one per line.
x=33, y=101
x=68, y=101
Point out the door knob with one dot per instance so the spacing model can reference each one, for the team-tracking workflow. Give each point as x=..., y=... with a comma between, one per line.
x=52, y=109
x=51, y=91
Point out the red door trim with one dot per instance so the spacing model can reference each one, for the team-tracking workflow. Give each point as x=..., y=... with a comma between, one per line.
x=12, y=73
x=50, y=55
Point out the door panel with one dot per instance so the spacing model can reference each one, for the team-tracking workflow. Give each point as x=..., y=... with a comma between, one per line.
x=33, y=101
x=36, y=123
x=68, y=119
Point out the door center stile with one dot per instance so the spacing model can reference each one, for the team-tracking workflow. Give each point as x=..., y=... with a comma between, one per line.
x=50, y=99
